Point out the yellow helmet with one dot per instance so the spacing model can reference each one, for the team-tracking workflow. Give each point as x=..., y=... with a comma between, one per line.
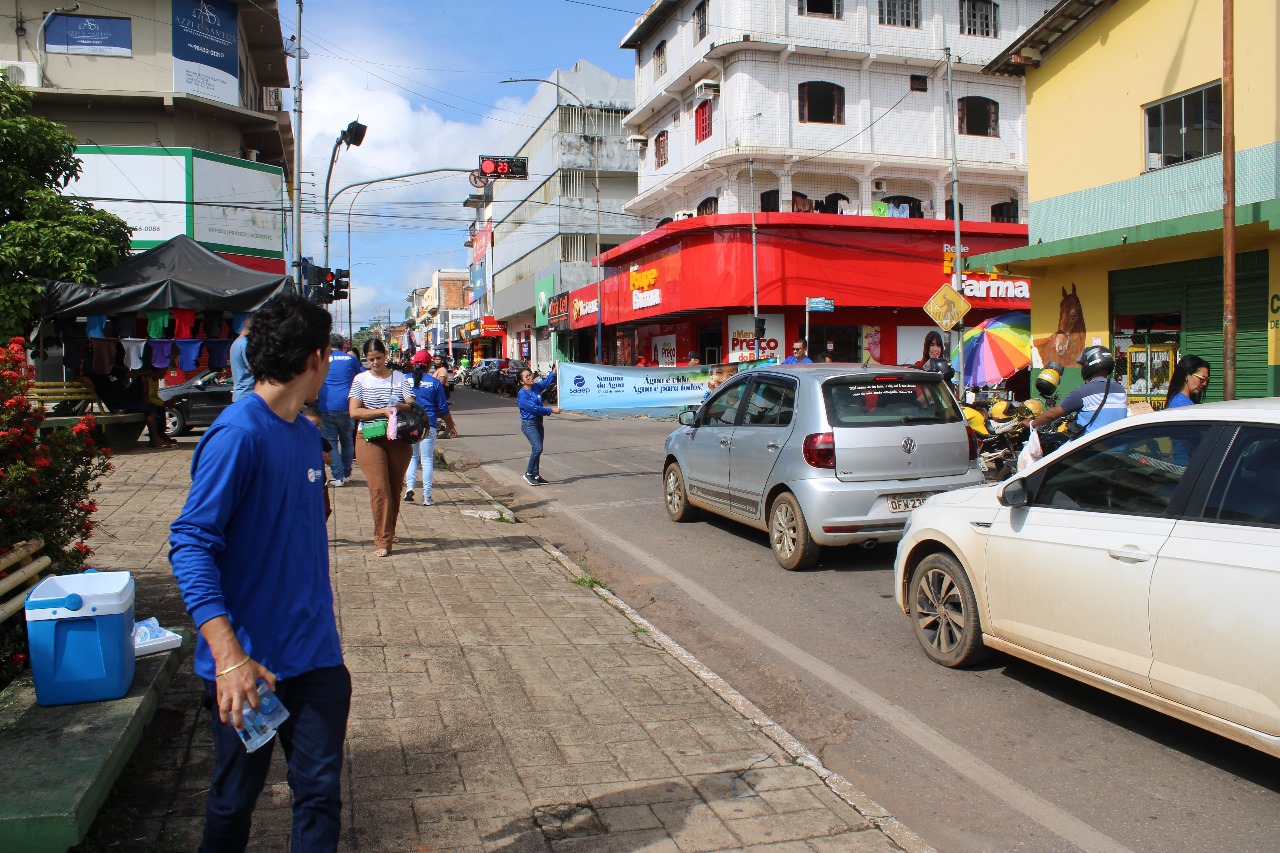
x=1001, y=410
x=1032, y=408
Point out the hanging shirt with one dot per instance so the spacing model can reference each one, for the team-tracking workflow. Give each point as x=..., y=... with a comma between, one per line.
x=189, y=353
x=161, y=353
x=879, y=208
x=237, y=321
x=126, y=324
x=96, y=324
x=104, y=354
x=157, y=322
x=133, y=348
x=184, y=322
x=219, y=350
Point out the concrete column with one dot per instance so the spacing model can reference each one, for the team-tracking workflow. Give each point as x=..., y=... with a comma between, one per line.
x=939, y=199
x=784, y=192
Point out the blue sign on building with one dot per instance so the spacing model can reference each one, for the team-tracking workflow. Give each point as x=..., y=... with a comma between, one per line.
x=206, y=48
x=89, y=35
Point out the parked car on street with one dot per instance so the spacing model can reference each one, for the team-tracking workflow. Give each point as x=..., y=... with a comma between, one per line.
x=509, y=376
x=484, y=376
x=1143, y=559
x=196, y=402
x=819, y=455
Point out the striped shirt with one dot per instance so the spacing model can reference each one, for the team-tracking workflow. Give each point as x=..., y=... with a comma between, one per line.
x=375, y=393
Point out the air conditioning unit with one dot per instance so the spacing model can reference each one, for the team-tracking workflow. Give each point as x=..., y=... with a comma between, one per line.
x=685, y=214
x=705, y=89
x=636, y=141
x=21, y=73
x=879, y=186
x=272, y=101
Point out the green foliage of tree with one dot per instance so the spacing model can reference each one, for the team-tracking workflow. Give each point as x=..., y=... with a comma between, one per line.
x=43, y=234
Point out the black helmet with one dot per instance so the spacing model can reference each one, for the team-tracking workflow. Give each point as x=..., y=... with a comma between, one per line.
x=941, y=365
x=412, y=425
x=1096, y=361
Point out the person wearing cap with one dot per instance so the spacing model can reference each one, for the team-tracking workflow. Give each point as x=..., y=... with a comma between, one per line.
x=335, y=417
x=693, y=359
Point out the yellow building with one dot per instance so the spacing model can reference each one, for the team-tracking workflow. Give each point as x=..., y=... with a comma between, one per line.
x=1124, y=127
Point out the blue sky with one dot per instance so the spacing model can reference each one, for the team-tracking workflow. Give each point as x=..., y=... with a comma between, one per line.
x=424, y=76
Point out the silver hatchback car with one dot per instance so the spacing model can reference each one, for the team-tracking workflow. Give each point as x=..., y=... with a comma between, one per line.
x=819, y=455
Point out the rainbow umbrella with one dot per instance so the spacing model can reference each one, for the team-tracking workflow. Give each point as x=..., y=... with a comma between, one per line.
x=995, y=349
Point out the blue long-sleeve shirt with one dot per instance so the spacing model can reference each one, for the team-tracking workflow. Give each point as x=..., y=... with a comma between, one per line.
x=429, y=395
x=530, y=399
x=250, y=543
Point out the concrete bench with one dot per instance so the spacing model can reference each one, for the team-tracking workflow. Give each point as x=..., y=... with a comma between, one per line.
x=62, y=761
x=117, y=429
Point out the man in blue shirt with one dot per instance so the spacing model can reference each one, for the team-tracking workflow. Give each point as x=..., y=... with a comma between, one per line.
x=1101, y=400
x=241, y=372
x=335, y=413
x=249, y=552
x=798, y=354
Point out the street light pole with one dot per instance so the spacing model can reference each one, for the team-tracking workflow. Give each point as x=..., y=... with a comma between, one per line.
x=595, y=169
x=297, y=152
x=352, y=134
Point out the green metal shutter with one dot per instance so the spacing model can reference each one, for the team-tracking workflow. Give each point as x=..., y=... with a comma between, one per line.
x=1202, y=335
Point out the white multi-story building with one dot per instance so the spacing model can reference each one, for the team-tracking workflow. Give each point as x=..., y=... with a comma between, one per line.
x=829, y=106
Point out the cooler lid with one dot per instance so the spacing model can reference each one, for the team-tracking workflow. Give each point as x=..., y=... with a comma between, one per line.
x=79, y=596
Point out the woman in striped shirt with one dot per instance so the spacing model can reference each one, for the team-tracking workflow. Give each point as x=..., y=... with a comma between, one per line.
x=374, y=395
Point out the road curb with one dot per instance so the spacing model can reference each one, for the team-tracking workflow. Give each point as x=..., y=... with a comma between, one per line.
x=874, y=813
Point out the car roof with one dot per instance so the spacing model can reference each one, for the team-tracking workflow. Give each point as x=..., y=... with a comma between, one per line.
x=823, y=372
x=1255, y=410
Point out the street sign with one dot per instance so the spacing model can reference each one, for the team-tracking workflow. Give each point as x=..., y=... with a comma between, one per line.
x=820, y=303
x=947, y=307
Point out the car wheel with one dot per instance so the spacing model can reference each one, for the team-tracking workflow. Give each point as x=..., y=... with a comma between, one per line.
x=677, y=500
x=789, y=535
x=944, y=612
x=175, y=423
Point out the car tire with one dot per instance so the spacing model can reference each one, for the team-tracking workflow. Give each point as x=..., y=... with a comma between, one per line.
x=675, y=496
x=944, y=612
x=175, y=423
x=789, y=536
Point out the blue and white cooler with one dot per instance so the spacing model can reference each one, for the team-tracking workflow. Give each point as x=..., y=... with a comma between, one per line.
x=80, y=629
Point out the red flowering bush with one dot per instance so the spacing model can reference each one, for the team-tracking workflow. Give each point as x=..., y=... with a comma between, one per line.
x=46, y=484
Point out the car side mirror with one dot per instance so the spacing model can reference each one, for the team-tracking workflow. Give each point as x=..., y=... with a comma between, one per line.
x=688, y=418
x=1014, y=493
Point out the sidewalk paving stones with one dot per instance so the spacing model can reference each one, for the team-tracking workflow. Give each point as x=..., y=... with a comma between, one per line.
x=501, y=703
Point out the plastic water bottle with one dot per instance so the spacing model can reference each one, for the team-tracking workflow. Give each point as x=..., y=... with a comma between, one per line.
x=148, y=629
x=260, y=725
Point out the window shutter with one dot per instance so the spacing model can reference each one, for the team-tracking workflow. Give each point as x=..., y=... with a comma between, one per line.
x=962, y=115
x=801, y=7
x=839, y=9
x=837, y=95
x=803, y=101
x=993, y=116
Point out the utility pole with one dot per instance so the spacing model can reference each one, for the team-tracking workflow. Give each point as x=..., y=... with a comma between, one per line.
x=957, y=280
x=755, y=272
x=1228, y=201
x=297, y=152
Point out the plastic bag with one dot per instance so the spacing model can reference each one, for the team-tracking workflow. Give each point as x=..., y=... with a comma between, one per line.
x=1031, y=452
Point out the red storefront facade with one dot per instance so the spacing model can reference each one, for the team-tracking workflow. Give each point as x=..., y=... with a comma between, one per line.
x=687, y=287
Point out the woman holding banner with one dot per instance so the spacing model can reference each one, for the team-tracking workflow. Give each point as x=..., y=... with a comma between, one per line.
x=531, y=414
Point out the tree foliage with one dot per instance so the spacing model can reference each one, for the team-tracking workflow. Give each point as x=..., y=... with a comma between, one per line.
x=44, y=234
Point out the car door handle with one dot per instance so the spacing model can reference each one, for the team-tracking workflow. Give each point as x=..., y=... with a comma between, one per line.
x=1129, y=554
x=724, y=442
x=773, y=445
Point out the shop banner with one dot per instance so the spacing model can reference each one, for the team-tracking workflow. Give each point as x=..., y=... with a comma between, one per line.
x=206, y=49
x=543, y=289
x=595, y=386
x=742, y=342
x=89, y=35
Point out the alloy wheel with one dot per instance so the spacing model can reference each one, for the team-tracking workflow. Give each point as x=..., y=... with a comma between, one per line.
x=784, y=531
x=940, y=611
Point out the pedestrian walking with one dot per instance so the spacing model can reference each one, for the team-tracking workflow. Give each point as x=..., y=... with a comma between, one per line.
x=442, y=376
x=250, y=555
x=798, y=354
x=374, y=395
x=241, y=373
x=1188, y=383
x=335, y=410
x=531, y=414
x=425, y=390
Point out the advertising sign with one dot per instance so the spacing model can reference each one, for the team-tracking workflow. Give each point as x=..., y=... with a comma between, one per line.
x=146, y=187
x=663, y=350
x=605, y=386
x=206, y=49
x=742, y=344
x=254, y=224
x=543, y=290
x=89, y=35
x=558, y=311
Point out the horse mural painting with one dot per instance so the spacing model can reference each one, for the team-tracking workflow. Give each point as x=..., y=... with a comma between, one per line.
x=1065, y=345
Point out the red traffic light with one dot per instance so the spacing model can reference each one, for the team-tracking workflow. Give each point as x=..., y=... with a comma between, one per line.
x=329, y=277
x=515, y=168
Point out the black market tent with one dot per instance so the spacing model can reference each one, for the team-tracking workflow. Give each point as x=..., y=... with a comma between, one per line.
x=179, y=273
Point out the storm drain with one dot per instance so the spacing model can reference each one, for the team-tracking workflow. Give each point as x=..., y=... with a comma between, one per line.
x=568, y=820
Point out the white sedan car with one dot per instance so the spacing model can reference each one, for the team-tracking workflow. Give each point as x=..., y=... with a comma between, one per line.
x=1143, y=559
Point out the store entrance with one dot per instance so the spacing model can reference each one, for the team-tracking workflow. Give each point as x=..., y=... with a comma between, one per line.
x=839, y=342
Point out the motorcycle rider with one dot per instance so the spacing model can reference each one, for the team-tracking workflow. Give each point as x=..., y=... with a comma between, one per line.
x=1099, y=401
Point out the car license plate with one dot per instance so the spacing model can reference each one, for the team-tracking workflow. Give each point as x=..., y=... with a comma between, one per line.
x=906, y=503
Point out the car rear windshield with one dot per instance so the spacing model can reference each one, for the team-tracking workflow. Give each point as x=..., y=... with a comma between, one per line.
x=865, y=401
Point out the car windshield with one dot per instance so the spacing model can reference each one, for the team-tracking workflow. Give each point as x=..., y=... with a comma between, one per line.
x=871, y=400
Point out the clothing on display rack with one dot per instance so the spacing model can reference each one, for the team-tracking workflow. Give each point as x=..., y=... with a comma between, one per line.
x=104, y=354
x=157, y=322
x=219, y=350
x=133, y=348
x=212, y=324
x=237, y=321
x=126, y=324
x=161, y=352
x=879, y=208
x=96, y=325
x=184, y=322
x=189, y=353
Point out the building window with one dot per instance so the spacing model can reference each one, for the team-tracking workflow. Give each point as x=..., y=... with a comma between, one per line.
x=709, y=206
x=769, y=201
x=919, y=82
x=1005, y=211
x=821, y=8
x=660, y=150
x=660, y=59
x=702, y=122
x=1185, y=128
x=948, y=210
x=979, y=18
x=914, y=207
x=700, y=21
x=900, y=13
x=978, y=116
x=821, y=102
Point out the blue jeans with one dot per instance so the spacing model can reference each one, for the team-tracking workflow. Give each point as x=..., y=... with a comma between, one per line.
x=424, y=454
x=318, y=703
x=532, y=429
x=338, y=429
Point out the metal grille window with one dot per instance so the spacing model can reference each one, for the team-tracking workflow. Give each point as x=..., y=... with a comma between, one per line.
x=978, y=116
x=979, y=18
x=700, y=21
x=1185, y=128
x=709, y=206
x=577, y=247
x=660, y=150
x=820, y=102
x=574, y=183
x=660, y=59
x=900, y=13
x=702, y=122
x=590, y=121
x=821, y=8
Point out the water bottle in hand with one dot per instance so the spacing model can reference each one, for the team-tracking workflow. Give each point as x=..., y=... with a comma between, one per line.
x=260, y=725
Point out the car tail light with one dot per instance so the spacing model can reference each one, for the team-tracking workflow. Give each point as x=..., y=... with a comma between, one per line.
x=973, y=444
x=820, y=450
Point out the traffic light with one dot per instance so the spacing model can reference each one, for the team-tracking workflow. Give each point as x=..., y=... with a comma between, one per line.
x=341, y=281
x=512, y=168
x=760, y=328
x=327, y=286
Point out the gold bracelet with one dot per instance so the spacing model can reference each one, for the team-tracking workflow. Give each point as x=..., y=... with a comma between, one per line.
x=247, y=658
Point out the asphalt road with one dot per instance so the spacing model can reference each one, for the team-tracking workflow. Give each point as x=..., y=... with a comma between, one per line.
x=1001, y=757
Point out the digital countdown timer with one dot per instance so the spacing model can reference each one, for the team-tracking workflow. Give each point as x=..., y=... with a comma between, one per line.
x=512, y=168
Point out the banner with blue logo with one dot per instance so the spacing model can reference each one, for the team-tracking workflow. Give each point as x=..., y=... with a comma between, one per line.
x=605, y=386
x=89, y=35
x=206, y=49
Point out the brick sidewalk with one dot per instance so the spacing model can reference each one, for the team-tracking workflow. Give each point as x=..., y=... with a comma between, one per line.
x=498, y=706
